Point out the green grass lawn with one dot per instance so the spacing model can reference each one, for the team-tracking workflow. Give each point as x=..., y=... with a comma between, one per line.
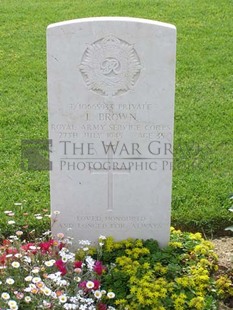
x=203, y=164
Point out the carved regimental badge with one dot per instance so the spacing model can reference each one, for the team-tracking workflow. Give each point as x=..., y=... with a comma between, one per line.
x=110, y=66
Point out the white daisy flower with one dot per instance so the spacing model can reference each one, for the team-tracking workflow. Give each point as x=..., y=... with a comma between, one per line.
x=15, y=264
x=19, y=232
x=18, y=255
x=27, y=299
x=27, y=289
x=64, y=259
x=63, y=298
x=111, y=295
x=90, y=284
x=36, y=280
x=49, y=263
x=47, y=291
x=11, y=222
x=12, y=304
x=32, y=286
x=35, y=269
x=5, y=296
x=10, y=281
x=98, y=294
x=28, y=279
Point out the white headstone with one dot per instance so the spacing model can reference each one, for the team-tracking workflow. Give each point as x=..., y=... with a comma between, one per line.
x=111, y=103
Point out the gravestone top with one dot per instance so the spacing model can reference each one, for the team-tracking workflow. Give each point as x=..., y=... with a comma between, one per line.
x=111, y=109
x=112, y=19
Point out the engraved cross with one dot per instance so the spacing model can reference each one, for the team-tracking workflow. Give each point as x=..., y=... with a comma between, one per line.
x=111, y=174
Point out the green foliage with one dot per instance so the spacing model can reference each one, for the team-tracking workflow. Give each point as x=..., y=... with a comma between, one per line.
x=202, y=177
x=181, y=276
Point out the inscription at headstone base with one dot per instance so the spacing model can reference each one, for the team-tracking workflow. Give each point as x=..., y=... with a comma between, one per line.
x=111, y=104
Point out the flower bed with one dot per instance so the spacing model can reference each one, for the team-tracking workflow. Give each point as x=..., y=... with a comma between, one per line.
x=131, y=274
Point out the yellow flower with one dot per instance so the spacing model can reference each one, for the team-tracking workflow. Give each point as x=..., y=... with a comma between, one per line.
x=215, y=267
x=163, y=292
x=138, y=243
x=204, y=262
x=177, y=232
x=179, y=301
x=121, y=302
x=224, y=286
x=208, y=244
x=176, y=244
x=196, y=236
x=146, y=265
x=136, y=252
x=197, y=303
x=185, y=281
x=124, y=260
x=109, y=244
x=160, y=269
x=128, y=243
x=200, y=249
x=133, y=289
